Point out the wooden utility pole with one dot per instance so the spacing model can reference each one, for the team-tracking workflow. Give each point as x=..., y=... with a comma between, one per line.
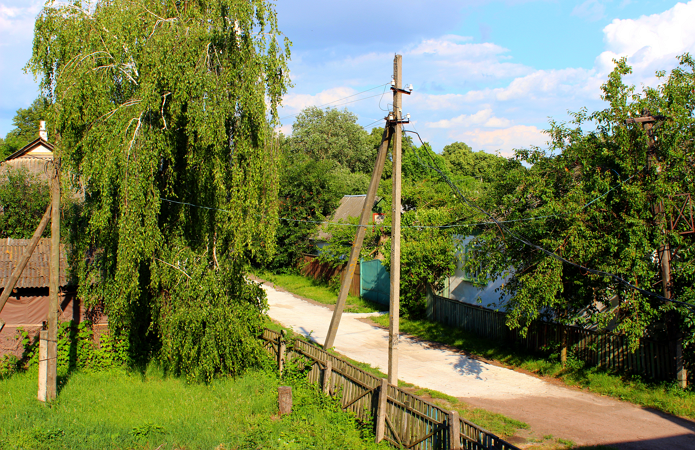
x=12, y=281
x=394, y=304
x=54, y=285
x=664, y=252
x=359, y=238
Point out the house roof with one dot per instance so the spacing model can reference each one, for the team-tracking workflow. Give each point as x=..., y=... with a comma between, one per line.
x=36, y=272
x=38, y=148
x=350, y=206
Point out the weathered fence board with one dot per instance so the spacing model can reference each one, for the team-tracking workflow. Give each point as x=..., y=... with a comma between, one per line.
x=654, y=359
x=411, y=422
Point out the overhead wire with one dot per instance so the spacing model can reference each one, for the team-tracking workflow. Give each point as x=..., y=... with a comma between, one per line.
x=522, y=239
x=344, y=98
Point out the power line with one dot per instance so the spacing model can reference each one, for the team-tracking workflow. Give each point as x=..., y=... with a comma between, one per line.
x=344, y=98
x=525, y=241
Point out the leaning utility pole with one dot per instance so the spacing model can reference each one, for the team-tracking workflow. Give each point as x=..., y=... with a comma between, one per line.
x=394, y=302
x=357, y=244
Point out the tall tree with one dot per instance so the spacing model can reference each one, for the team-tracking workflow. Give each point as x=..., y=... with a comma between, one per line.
x=590, y=198
x=463, y=161
x=158, y=102
x=333, y=134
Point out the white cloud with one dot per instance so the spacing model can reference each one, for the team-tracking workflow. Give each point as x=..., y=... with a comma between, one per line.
x=483, y=118
x=650, y=42
x=335, y=97
x=503, y=140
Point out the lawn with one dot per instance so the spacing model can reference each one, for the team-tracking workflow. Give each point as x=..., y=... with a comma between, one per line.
x=117, y=409
x=663, y=396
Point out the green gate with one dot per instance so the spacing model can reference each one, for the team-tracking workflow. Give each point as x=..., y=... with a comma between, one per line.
x=375, y=282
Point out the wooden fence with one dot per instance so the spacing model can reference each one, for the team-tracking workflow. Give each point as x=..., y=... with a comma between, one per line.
x=654, y=359
x=403, y=419
x=311, y=267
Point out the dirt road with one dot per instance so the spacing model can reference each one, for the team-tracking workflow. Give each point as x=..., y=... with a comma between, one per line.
x=549, y=409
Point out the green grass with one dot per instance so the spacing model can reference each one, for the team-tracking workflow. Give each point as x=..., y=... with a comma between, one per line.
x=120, y=410
x=317, y=291
x=495, y=423
x=666, y=397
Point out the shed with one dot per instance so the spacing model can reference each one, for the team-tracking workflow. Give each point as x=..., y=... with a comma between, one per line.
x=27, y=306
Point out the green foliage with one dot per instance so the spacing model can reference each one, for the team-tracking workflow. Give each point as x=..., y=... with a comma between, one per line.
x=461, y=160
x=26, y=122
x=77, y=349
x=342, y=234
x=211, y=326
x=427, y=256
x=598, y=156
x=173, y=100
x=307, y=196
x=332, y=134
x=23, y=201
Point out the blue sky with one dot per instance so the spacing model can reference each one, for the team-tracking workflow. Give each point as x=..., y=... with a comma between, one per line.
x=488, y=73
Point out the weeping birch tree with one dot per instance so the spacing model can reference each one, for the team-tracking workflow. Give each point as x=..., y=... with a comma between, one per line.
x=159, y=106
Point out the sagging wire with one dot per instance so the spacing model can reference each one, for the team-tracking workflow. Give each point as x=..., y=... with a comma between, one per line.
x=518, y=237
x=345, y=98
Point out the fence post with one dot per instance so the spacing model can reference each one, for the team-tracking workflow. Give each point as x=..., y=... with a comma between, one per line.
x=381, y=410
x=454, y=430
x=563, y=349
x=681, y=374
x=327, y=374
x=282, y=348
x=285, y=399
x=43, y=365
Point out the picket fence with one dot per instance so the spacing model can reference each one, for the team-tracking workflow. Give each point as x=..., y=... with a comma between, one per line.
x=403, y=419
x=653, y=359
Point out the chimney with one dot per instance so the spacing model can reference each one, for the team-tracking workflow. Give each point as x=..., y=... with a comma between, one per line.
x=42, y=130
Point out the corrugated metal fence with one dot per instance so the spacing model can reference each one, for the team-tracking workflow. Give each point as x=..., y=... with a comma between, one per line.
x=408, y=422
x=654, y=359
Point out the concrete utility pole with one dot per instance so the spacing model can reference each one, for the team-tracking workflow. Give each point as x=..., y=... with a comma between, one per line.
x=359, y=238
x=394, y=305
x=54, y=285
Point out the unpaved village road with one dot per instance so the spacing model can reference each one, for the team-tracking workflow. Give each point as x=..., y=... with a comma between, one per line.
x=585, y=418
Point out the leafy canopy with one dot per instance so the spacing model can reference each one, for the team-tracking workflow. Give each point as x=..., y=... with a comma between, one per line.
x=593, y=194
x=156, y=100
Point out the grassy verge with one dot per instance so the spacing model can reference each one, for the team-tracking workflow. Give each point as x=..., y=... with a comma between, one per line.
x=495, y=423
x=317, y=291
x=120, y=410
x=666, y=397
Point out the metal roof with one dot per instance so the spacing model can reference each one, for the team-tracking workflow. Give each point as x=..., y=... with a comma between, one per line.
x=350, y=206
x=36, y=272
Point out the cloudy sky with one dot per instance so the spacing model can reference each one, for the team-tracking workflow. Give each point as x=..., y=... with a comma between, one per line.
x=486, y=72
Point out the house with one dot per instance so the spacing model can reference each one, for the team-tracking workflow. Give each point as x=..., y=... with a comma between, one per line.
x=36, y=157
x=27, y=306
x=350, y=207
x=462, y=286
